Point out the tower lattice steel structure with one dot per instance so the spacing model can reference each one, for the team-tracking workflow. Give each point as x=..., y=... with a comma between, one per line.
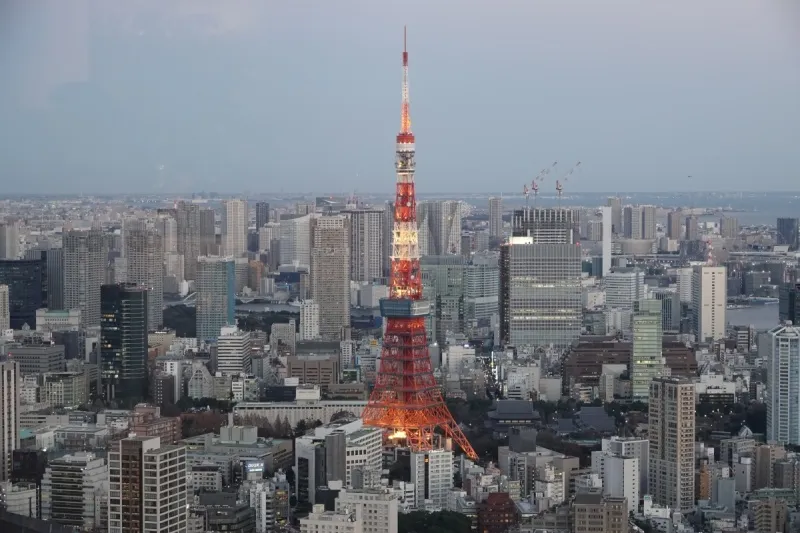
x=407, y=401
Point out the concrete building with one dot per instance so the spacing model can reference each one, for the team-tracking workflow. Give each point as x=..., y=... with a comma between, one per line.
x=75, y=491
x=366, y=243
x=646, y=355
x=322, y=521
x=674, y=225
x=672, y=435
x=624, y=287
x=216, y=295
x=439, y=226
x=123, y=342
x=234, y=227
x=630, y=447
x=729, y=227
x=309, y=320
x=781, y=348
x=607, y=234
x=330, y=273
x=20, y=498
x=5, y=314
x=594, y=513
x=84, y=273
x=147, y=487
x=56, y=320
x=35, y=359
x=234, y=351
x=378, y=504
x=9, y=415
x=295, y=239
x=9, y=239
x=432, y=476
x=685, y=276
x=615, y=203
x=496, y=217
x=709, y=302
x=633, y=222
x=262, y=215
x=144, y=255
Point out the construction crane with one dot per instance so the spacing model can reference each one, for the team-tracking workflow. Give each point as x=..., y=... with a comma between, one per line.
x=563, y=179
x=540, y=177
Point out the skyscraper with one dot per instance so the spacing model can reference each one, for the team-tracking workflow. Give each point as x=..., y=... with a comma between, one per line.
x=262, y=214
x=234, y=227
x=633, y=222
x=330, y=273
x=709, y=302
x=672, y=435
x=692, y=232
x=648, y=221
x=195, y=234
x=646, y=356
x=216, y=296
x=84, y=273
x=309, y=320
x=496, y=217
x=547, y=225
x=9, y=415
x=674, y=225
x=5, y=315
x=53, y=259
x=439, y=226
x=295, y=239
x=167, y=227
x=729, y=227
x=615, y=203
x=123, y=342
x=366, y=244
x=148, y=486
x=234, y=351
x=144, y=252
x=781, y=348
x=25, y=279
x=9, y=239
x=788, y=232
x=443, y=286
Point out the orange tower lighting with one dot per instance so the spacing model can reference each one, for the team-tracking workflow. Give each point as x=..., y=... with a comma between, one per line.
x=406, y=401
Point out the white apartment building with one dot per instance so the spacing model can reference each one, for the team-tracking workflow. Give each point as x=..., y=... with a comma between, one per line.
x=709, y=302
x=781, y=348
x=621, y=479
x=379, y=508
x=684, y=276
x=366, y=243
x=150, y=479
x=75, y=491
x=309, y=320
x=269, y=232
x=432, y=476
x=234, y=227
x=295, y=239
x=53, y=320
x=234, y=351
x=630, y=447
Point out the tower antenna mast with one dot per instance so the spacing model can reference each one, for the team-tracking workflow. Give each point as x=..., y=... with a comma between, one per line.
x=406, y=401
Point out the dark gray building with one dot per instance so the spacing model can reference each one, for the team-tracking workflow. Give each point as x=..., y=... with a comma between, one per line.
x=262, y=214
x=123, y=342
x=53, y=259
x=38, y=358
x=27, y=289
x=787, y=234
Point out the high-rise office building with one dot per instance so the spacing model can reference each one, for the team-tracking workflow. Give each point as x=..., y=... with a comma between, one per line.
x=443, y=286
x=5, y=314
x=780, y=346
x=729, y=227
x=439, y=227
x=53, y=259
x=330, y=273
x=147, y=487
x=692, y=231
x=84, y=273
x=167, y=228
x=9, y=239
x=262, y=214
x=646, y=356
x=27, y=289
x=75, y=491
x=624, y=286
x=674, y=225
x=672, y=436
x=685, y=276
x=648, y=221
x=196, y=235
x=9, y=415
x=216, y=296
x=309, y=320
x=670, y=308
x=366, y=244
x=540, y=293
x=615, y=203
x=295, y=239
x=123, y=342
x=234, y=351
x=605, y=226
x=788, y=232
x=709, y=302
x=496, y=217
x=547, y=225
x=789, y=303
x=234, y=227
x=633, y=222
x=432, y=476
x=144, y=253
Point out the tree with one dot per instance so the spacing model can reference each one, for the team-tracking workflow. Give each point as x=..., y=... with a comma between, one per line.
x=341, y=414
x=438, y=522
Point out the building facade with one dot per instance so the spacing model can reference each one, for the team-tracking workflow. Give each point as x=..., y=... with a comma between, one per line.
x=123, y=342
x=216, y=295
x=84, y=273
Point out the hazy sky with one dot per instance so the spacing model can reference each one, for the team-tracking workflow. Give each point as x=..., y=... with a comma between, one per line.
x=304, y=95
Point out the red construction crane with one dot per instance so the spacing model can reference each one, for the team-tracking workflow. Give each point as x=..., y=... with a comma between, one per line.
x=406, y=401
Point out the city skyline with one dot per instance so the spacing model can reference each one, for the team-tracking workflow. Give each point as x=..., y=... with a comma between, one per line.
x=239, y=98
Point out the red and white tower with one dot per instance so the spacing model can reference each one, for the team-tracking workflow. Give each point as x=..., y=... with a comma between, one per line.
x=407, y=401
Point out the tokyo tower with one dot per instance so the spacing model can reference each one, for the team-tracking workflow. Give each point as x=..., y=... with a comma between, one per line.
x=406, y=400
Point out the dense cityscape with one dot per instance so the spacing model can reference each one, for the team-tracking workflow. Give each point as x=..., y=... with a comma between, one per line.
x=525, y=362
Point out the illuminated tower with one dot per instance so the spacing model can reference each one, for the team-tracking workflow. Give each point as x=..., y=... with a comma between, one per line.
x=407, y=401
